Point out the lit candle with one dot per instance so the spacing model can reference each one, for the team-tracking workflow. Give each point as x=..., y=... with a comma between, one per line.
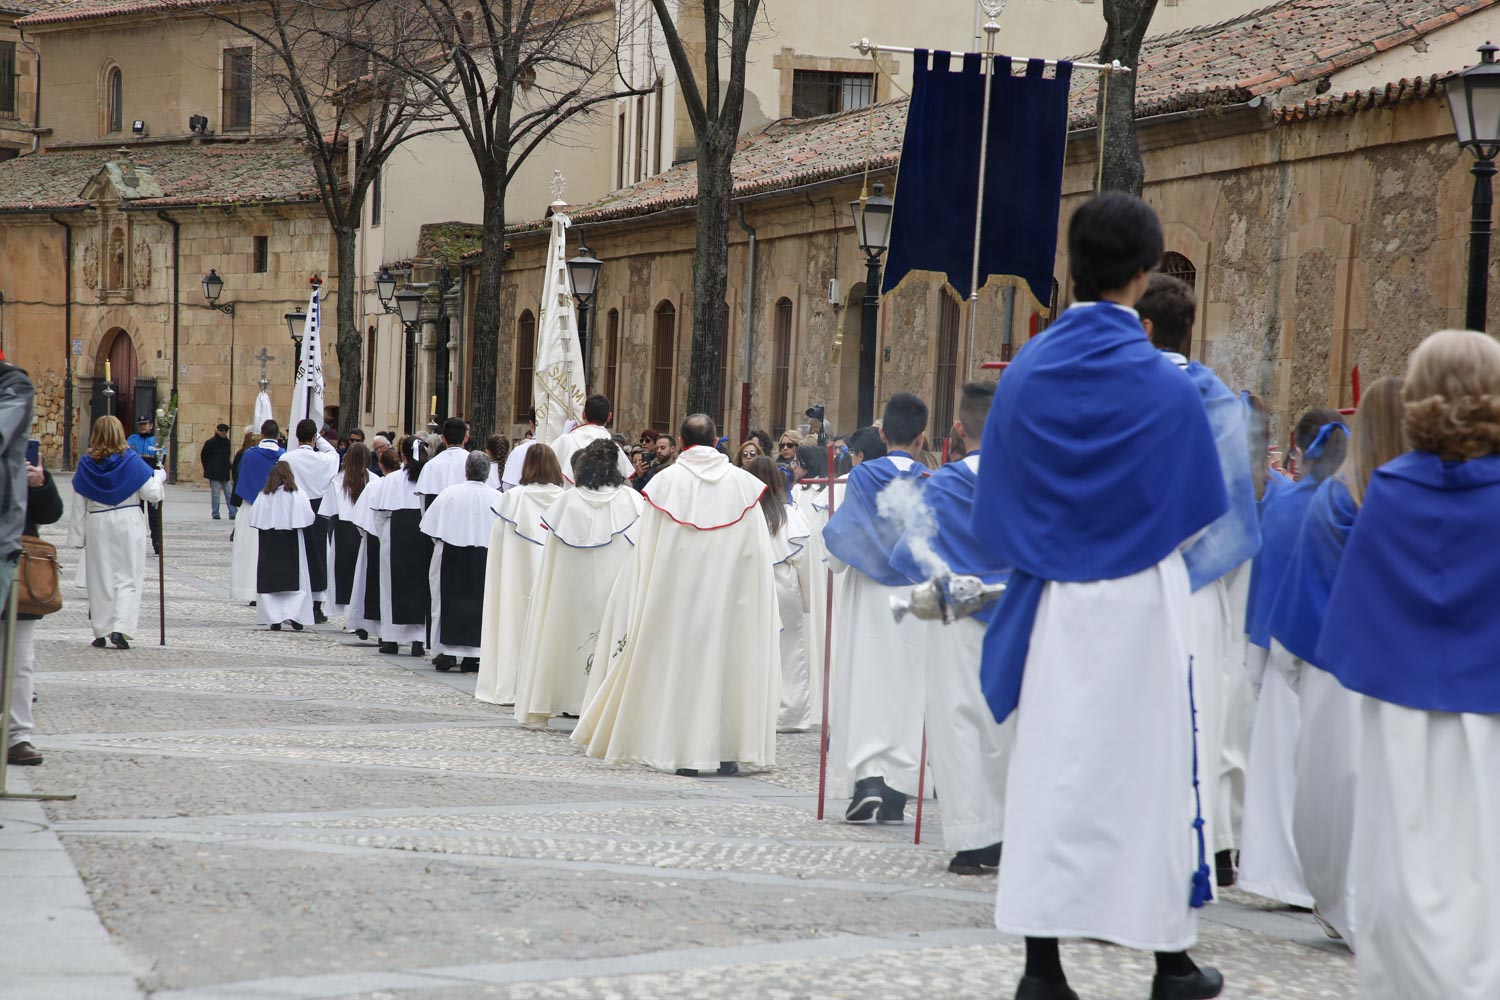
x=434, y=405
x=106, y=371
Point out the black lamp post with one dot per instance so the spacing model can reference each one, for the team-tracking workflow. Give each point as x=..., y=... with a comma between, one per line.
x=409, y=309
x=296, y=322
x=212, y=286
x=583, y=275
x=872, y=224
x=1474, y=100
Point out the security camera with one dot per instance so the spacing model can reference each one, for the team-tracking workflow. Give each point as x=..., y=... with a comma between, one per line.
x=198, y=124
x=138, y=127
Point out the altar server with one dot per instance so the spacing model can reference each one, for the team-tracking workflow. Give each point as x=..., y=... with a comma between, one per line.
x=968, y=750
x=405, y=554
x=363, y=616
x=337, y=510
x=255, y=468
x=875, y=712
x=445, y=468
x=596, y=417
x=685, y=698
x=515, y=552
x=314, y=462
x=458, y=521
x=282, y=582
x=1090, y=644
x=111, y=483
x=588, y=542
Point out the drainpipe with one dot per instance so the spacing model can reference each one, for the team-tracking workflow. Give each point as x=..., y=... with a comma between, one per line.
x=176, y=326
x=749, y=326
x=67, y=341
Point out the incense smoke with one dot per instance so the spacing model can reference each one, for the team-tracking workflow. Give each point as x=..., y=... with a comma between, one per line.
x=901, y=503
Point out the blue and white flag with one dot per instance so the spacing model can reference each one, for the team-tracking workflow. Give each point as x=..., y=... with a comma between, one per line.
x=307, y=394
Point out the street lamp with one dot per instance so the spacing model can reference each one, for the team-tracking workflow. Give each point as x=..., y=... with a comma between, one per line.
x=296, y=322
x=385, y=287
x=212, y=286
x=872, y=224
x=583, y=275
x=1474, y=100
x=409, y=308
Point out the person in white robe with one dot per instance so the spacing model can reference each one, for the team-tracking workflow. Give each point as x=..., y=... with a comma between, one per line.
x=587, y=544
x=458, y=521
x=111, y=483
x=283, y=583
x=314, y=463
x=405, y=554
x=344, y=536
x=255, y=467
x=515, y=554
x=446, y=467
x=363, y=615
x=877, y=689
x=683, y=698
x=597, y=414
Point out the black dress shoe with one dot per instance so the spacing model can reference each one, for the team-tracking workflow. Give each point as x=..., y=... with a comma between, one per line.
x=443, y=662
x=296, y=626
x=687, y=772
x=118, y=640
x=728, y=768
x=390, y=648
x=1224, y=869
x=24, y=755
x=1200, y=984
x=979, y=861
x=417, y=650
x=276, y=626
x=470, y=665
x=100, y=642
x=892, y=807
x=364, y=636
x=319, y=618
x=869, y=794
x=1032, y=988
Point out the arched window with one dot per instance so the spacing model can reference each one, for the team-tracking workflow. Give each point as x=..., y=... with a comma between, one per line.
x=945, y=367
x=525, y=364
x=612, y=360
x=1178, y=266
x=781, y=366
x=663, y=350
x=114, y=98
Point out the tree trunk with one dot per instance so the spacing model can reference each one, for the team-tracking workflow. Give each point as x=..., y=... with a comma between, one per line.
x=483, y=419
x=711, y=270
x=1126, y=22
x=350, y=344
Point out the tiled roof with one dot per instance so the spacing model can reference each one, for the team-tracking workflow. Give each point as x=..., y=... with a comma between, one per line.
x=1288, y=43
x=27, y=6
x=1391, y=95
x=216, y=173
x=54, y=12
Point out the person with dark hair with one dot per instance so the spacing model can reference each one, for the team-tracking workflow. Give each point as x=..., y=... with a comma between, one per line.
x=1218, y=565
x=516, y=539
x=314, y=462
x=875, y=706
x=344, y=536
x=595, y=427
x=588, y=541
x=663, y=454
x=444, y=466
x=687, y=699
x=214, y=458
x=458, y=521
x=1092, y=639
x=405, y=553
x=810, y=463
x=282, y=583
x=363, y=615
x=255, y=469
x=865, y=445
x=497, y=446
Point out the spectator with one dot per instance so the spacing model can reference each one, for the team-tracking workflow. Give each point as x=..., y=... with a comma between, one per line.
x=143, y=443
x=665, y=452
x=749, y=452
x=378, y=447
x=43, y=506
x=786, y=448
x=216, y=469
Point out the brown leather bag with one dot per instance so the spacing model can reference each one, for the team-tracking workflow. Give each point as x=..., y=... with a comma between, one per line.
x=39, y=578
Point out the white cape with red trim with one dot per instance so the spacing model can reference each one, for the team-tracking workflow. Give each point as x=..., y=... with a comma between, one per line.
x=515, y=553
x=697, y=679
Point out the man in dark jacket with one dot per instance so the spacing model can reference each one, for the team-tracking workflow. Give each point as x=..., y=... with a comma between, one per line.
x=215, y=459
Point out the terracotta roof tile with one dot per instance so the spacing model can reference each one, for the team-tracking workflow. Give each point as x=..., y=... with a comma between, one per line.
x=1391, y=95
x=55, y=12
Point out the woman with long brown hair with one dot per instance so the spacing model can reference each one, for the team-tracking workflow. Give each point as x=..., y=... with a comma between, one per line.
x=338, y=509
x=283, y=585
x=405, y=553
x=108, y=521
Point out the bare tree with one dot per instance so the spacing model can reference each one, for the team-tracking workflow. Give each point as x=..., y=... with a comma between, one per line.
x=714, y=106
x=313, y=55
x=1125, y=22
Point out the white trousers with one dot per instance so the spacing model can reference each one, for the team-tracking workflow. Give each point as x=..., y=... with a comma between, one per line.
x=969, y=751
x=1268, y=855
x=22, y=681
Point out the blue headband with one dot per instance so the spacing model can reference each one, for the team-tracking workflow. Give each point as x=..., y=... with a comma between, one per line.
x=1315, y=449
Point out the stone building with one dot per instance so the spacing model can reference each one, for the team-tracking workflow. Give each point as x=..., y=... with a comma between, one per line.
x=19, y=73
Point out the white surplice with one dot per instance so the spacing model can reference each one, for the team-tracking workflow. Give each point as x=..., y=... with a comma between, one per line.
x=1218, y=644
x=396, y=492
x=1099, y=837
x=285, y=511
x=516, y=540
x=801, y=596
x=363, y=517
x=579, y=438
x=446, y=469
x=514, y=463
x=314, y=467
x=1323, y=810
x=698, y=681
x=113, y=566
x=588, y=543
x=968, y=750
x=1237, y=720
x=1268, y=855
x=460, y=516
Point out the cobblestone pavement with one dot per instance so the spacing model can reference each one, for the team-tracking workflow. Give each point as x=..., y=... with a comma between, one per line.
x=293, y=815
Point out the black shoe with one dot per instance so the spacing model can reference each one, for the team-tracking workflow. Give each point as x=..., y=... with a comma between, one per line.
x=319, y=618
x=470, y=665
x=252, y=604
x=364, y=636
x=1200, y=984
x=1224, y=869
x=869, y=793
x=100, y=642
x=216, y=517
x=118, y=640
x=687, y=772
x=1032, y=988
x=892, y=807
x=390, y=648
x=979, y=861
x=442, y=662
x=728, y=768
x=23, y=755
x=296, y=626
x=276, y=626
x=417, y=649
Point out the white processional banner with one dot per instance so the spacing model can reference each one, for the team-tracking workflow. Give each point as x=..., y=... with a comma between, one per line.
x=309, y=404
x=262, y=411
x=557, y=388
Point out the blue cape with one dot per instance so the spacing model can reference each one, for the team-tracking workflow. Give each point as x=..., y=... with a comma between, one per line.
x=1281, y=519
x=1412, y=617
x=949, y=494
x=1071, y=488
x=112, y=481
x=255, y=469
x=1302, y=602
x=1235, y=537
x=857, y=533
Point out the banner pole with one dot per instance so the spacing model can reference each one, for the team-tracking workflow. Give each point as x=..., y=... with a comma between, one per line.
x=921, y=784
x=991, y=29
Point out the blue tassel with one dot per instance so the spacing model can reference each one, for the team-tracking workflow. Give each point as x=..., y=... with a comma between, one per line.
x=1203, y=889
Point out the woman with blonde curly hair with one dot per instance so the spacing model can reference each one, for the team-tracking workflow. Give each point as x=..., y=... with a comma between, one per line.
x=1412, y=625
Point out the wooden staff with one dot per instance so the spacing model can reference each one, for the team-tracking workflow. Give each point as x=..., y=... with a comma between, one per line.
x=161, y=571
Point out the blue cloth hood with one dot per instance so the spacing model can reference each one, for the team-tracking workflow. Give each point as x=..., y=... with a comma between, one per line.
x=856, y=533
x=1070, y=489
x=1411, y=620
x=949, y=495
x=1302, y=601
x=255, y=468
x=1279, y=524
x=1235, y=537
x=113, y=480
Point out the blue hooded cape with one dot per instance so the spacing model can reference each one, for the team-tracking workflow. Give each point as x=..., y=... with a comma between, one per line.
x=1302, y=602
x=857, y=533
x=1235, y=537
x=949, y=494
x=1070, y=488
x=113, y=480
x=255, y=469
x=1412, y=620
x=1281, y=519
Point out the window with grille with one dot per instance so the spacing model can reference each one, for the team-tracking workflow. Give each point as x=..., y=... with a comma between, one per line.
x=781, y=366
x=944, y=405
x=663, y=347
x=238, y=83
x=115, y=98
x=525, y=363
x=815, y=92
x=262, y=254
x=8, y=78
x=1177, y=266
x=612, y=359
x=370, y=369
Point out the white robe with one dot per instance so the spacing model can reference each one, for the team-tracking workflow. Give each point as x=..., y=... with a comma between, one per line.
x=1427, y=854
x=314, y=467
x=113, y=566
x=698, y=681
x=801, y=596
x=244, y=552
x=461, y=515
x=580, y=438
x=969, y=751
x=516, y=540
x=588, y=543
x=514, y=463
x=1218, y=644
x=1099, y=837
x=1237, y=719
x=284, y=511
x=1268, y=855
x=446, y=469
x=397, y=492
x=363, y=517
x=1327, y=759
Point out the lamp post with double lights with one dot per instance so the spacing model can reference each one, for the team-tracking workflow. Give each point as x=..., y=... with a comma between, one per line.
x=583, y=276
x=872, y=225
x=1474, y=101
x=408, y=307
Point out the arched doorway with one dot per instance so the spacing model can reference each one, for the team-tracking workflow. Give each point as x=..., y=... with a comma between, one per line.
x=118, y=349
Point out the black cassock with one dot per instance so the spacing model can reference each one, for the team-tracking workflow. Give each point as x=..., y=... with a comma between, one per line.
x=346, y=539
x=372, y=578
x=411, y=557
x=317, y=550
x=461, y=577
x=278, y=569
